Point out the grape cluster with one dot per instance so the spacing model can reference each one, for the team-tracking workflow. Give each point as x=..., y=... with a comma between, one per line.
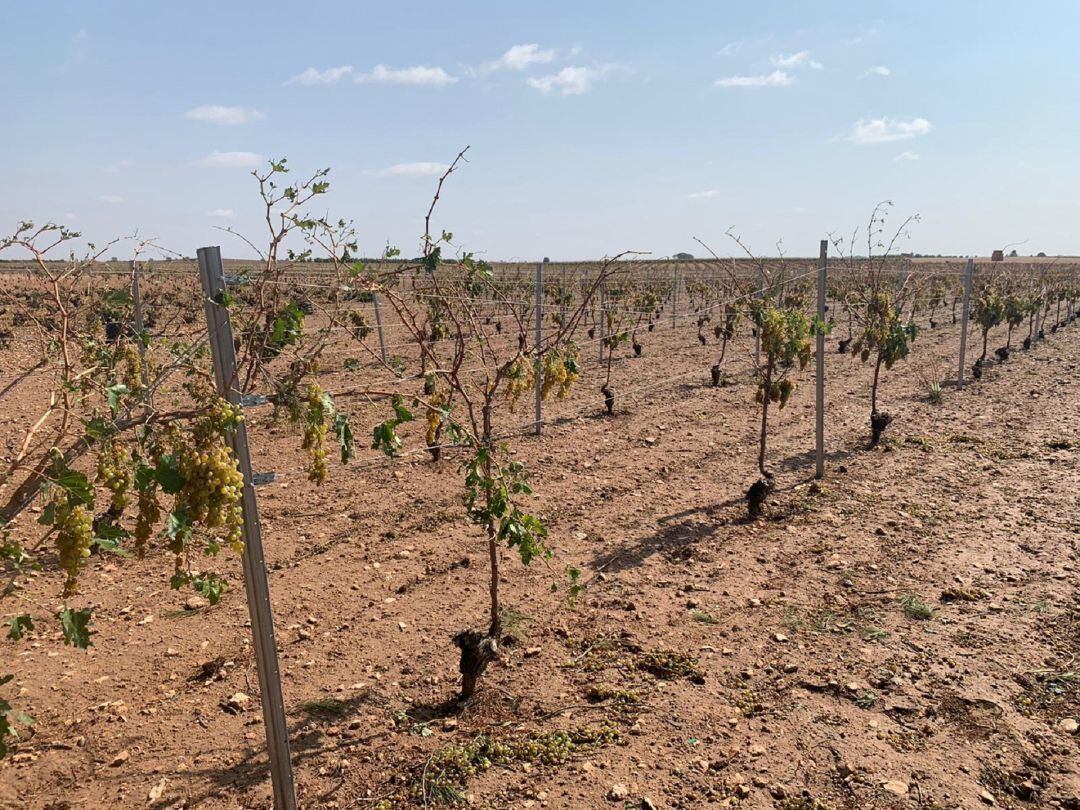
x=522, y=378
x=114, y=473
x=315, y=433
x=560, y=371
x=434, y=418
x=149, y=512
x=780, y=391
x=74, y=525
x=128, y=356
x=213, y=485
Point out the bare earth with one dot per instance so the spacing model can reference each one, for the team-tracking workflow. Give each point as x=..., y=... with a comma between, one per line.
x=821, y=687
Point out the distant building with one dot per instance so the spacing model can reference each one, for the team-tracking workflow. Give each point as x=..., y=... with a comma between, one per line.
x=997, y=256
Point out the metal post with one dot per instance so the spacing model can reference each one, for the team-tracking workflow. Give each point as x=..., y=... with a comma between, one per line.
x=823, y=259
x=539, y=335
x=674, y=295
x=136, y=298
x=964, y=322
x=757, y=330
x=378, y=325
x=603, y=318
x=562, y=295
x=255, y=581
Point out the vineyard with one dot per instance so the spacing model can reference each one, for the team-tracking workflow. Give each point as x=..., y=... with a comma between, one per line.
x=634, y=532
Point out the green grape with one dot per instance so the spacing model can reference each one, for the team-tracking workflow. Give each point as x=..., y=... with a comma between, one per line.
x=74, y=533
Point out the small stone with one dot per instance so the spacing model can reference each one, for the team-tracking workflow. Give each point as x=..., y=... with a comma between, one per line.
x=618, y=792
x=1068, y=725
x=987, y=797
x=648, y=804
x=120, y=759
x=532, y=652
x=896, y=787
x=238, y=702
x=157, y=790
x=780, y=637
x=195, y=603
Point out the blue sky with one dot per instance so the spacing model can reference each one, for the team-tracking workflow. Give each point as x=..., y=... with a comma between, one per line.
x=594, y=127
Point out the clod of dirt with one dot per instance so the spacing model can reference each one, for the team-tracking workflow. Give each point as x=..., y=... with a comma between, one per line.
x=236, y=704
x=637, y=349
x=618, y=792
x=896, y=787
x=715, y=371
x=842, y=345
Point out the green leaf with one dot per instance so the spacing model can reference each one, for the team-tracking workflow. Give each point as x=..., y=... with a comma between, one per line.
x=144, y=477
x=48, y=515
x=178, y=580
x=113, y=394
x=99, y=428
x=344, y=433
x=120, y=297
x=19, y=625
x=168, y=474
x=211, y=586
x=178, y=525
x=74, y=483
x=75, y=625
x=108, y=537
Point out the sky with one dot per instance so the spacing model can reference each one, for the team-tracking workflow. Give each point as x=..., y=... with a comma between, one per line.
x=593, y=126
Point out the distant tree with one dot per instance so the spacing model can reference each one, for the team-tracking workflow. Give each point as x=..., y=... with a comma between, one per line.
x=1041, y=255
x=684, y=257
x=1013, y=254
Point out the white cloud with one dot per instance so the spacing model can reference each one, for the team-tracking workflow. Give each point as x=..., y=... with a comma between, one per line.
x=731, y=48
x=795, y=60
x=417, y=169
x=704, y=195
x=878, y=70
x=110, y=199
x=908, y=156
x=884, y=130
x=119, y=166
x=520, y=57
x=221, y=213
x=312, y=75
x=570, y=81
x=418, y=75
x=225, y=116
x=778, y=78
x=231, y=160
